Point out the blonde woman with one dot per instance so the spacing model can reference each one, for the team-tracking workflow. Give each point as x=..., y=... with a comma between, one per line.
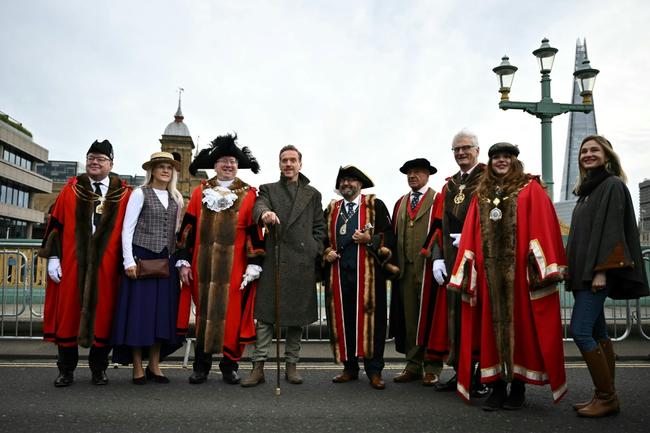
x=604, y=261
x=145, y=319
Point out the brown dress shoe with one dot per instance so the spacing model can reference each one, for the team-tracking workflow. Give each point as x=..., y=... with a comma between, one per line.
x=346, y=376
x=430, y=379
x=406, y=376
x=377, y=382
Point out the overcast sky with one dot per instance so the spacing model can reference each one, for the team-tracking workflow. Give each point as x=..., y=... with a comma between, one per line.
x=370, y=83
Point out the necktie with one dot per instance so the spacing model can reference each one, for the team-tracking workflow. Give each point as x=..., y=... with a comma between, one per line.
x=97, y=216
x=463, y=177
x=350, y=209
x=415, y=199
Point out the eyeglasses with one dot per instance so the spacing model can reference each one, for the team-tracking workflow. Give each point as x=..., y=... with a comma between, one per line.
x=231, y=161
x=100, y=159
x=461, y=149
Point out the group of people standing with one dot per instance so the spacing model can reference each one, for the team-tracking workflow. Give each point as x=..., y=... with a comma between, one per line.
x=474, y=270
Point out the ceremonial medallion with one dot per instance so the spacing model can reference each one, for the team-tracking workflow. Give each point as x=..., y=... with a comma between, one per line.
x=460, y=197
x=343, y=230
x=495, y=214
x=99, y=209
x=411, y=223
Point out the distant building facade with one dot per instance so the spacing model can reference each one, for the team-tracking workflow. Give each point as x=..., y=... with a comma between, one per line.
x=580, y=126
x=19, y=180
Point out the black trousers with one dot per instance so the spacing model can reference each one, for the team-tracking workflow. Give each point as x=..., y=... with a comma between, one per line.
x=68, y=357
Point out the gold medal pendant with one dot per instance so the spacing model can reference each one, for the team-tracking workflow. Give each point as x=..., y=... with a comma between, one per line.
x=496, y=214
x=343, y=230
x=460, y=197
x=411, y=223
x=99, y=209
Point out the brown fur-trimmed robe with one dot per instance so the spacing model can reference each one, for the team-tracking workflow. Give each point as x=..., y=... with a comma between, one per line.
x=220, y=245
x=369, y=298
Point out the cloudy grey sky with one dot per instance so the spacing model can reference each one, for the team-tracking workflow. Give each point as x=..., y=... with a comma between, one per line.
x=370, y=83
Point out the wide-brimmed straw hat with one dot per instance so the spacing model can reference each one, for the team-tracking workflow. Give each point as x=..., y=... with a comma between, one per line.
x=158, y=157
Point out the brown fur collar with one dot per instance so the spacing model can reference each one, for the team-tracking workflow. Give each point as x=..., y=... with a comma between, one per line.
x=90, y=250
x=499, y=242
x=214, y=264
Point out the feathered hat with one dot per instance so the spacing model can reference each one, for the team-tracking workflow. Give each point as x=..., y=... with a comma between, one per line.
x=224, y=145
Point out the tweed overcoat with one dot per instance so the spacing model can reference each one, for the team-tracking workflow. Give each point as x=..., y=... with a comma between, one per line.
x=300, y=242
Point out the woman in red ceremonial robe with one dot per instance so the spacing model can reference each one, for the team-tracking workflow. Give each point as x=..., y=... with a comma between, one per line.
x=509, y=262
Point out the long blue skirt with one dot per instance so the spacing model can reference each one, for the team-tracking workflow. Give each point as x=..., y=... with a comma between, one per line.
x=146, y=312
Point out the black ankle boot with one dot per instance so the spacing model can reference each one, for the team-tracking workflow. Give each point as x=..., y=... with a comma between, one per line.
x=517, y=395
x=497, y=397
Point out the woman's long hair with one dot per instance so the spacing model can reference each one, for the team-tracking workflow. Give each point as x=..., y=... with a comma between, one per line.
x=171, y=187
x=514, y=180
x=613, y=164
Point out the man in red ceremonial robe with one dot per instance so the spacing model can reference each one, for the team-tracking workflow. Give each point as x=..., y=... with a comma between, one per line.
x=358, y=243
x=220, y=255
x=510, y=260
x=83, y=245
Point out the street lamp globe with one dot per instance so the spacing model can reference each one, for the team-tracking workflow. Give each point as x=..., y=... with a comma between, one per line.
x=586, y=76
x=505, y=73
x=545, y=56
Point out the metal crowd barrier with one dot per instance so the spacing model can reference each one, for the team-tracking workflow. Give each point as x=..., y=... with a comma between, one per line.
x=22, y=293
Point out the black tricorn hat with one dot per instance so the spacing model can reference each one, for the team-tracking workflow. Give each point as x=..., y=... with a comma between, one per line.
x=352, y=171
x=224, y=145
x=503, y=147
x=104, y=147
x=418, y=163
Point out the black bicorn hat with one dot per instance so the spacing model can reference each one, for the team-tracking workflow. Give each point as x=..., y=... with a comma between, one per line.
x=352, y=171
x=104, y=147
x=418, y=163
x=224, y=145
x=503, y=147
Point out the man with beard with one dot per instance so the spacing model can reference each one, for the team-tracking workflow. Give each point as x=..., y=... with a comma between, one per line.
x=220, y=253
x=413, y=293
x=456, y=195
x=83, y=245
x=291, y=209
x=358, y=243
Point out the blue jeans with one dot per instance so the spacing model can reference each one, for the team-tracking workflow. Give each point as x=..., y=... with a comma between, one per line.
x=588, y=325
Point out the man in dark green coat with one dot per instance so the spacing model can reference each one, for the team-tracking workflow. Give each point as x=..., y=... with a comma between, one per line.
x=292, y=208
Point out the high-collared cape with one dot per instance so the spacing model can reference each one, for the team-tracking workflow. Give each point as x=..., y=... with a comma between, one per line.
x=79, y=309
x=219, y=246
x=507, y=272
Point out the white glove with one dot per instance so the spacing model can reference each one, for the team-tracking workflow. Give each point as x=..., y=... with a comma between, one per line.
x=439, y=271
x=252, y=273
x=54, y=269
x=456, y=237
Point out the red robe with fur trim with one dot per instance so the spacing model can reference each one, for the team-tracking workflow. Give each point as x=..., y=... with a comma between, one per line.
x=507, y=272
x=367, y=335
x=219, y=246
x=79, y=309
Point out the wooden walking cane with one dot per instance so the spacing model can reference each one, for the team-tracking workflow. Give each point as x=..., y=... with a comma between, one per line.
x=277, y=308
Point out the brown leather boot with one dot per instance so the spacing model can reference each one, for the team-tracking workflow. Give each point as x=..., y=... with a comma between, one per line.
x=256, y=377
x=605, y=400
x=291, y=374
x=608, y=350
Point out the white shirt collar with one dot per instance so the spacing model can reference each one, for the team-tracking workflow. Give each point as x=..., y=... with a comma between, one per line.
x=225, y=183
x=469, y=171
x=356, y=201
x=422, y=190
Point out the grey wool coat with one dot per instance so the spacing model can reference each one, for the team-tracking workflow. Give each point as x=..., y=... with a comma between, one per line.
x=300, y=234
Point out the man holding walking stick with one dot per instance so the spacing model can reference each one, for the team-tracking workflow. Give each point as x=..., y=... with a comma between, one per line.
x=293, y=209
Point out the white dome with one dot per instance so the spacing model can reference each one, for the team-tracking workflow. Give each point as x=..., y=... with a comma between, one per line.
x=177, y=128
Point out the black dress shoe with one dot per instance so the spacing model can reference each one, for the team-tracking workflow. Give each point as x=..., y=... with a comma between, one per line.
x=99, y=378
x=479, y=391
x=450, y=385
x=64, y=379
x=497, y=398
x=231, y=377
x=156, y=378
x=142, y=380
x=517, y=396
x=198, y=377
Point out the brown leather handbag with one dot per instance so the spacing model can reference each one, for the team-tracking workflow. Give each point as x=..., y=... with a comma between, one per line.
x=152, y=268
